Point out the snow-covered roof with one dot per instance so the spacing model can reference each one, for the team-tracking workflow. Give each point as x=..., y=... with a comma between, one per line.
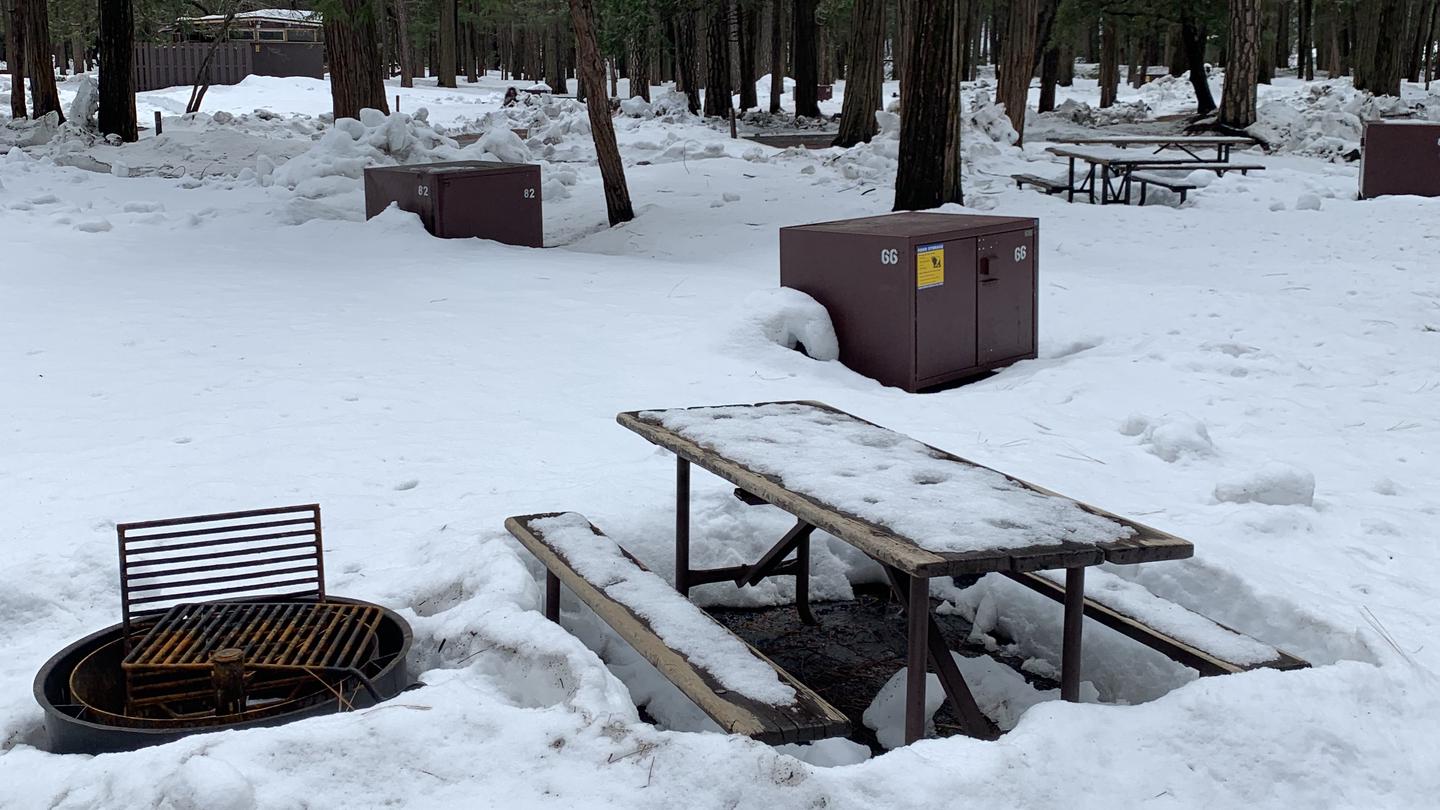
x=283, y=15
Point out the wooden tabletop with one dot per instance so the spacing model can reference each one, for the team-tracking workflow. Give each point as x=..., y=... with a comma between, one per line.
x=1160, y=140
x=793, y=478
x=1122, y=157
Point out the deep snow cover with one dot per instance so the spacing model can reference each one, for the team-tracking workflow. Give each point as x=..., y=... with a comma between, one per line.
x=181, y=337
x=888, y=479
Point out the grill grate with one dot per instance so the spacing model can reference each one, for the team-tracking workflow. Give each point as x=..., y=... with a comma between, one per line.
x=232, y=556
x=277, y=639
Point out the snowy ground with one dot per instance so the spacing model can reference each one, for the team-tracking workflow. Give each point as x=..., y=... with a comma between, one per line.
x=188, y=344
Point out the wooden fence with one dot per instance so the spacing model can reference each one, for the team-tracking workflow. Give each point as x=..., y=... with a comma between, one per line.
x=158, y=66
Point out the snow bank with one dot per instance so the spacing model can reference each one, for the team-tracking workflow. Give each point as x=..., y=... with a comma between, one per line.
x=793, y=319
x=374, y=139
x=1326, y=119
x=1275, y=484
x=888, y=478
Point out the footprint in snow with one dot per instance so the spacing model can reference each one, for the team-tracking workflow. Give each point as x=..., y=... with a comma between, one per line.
x=182, y=440
x=404, y=486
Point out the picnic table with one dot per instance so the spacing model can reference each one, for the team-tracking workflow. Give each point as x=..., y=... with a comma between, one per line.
x=1189, y=144
x=1115, y=166
x=919, y=512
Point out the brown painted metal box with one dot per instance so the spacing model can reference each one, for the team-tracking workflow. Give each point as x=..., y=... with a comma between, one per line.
x=921, y=299
x=1400, y=157
x=463, y=199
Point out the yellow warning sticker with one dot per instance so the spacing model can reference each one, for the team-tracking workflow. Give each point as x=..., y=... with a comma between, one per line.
x=929, y=266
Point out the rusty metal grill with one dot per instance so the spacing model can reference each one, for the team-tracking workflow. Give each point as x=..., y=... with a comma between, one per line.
x=234, y=556
x=277, y=642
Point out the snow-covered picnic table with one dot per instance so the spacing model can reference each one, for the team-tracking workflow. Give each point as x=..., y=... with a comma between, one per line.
x=1189, y=144
x=1115, y=162
x=919, y=511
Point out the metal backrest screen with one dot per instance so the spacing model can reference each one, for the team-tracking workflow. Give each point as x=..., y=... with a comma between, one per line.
x=263, y=553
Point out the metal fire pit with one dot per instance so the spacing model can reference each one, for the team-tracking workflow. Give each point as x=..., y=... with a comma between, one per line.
x=225, y=623
x=82, y=690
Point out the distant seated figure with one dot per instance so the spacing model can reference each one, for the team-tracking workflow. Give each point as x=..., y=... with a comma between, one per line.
x=511, y=96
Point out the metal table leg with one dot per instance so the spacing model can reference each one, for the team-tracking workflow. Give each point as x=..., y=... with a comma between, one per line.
x=1071, y=190
x=802, y=581
x=1074, y=623
x=917, y=614
x=552, y=597
x=682, y=525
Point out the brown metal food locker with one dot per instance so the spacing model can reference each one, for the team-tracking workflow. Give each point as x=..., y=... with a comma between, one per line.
x=1400, y=157
x=464, y=199
x=921, y=299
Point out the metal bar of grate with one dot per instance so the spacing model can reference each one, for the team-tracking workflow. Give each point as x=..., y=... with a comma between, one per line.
x=273, y=635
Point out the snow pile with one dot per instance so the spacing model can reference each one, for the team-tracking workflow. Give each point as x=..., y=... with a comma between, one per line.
x=887, y=478
x=1170, y=437
x=86, y=103
x=1325, y=119
x=29, y=131
x=794, y=320
x=1275, y=484
x=683, y=627
x=1122, y=112
x=1002, y=694
x=989, y=118
x=1168, y=92
x=374, y=139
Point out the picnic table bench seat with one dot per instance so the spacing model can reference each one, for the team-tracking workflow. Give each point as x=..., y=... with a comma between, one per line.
x=1182, y=635
x=735, y=684
x=1045, y=184
x=1170, y=177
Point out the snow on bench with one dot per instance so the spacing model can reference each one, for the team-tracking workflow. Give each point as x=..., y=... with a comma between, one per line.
x=1182, y=634
x=1045, y=184
x=732, y=682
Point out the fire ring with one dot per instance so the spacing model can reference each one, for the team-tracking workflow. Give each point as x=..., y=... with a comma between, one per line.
x=83, y=692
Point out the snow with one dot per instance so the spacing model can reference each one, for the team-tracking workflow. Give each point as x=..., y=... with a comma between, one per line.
x=887, y=478
x=1134, y=600
x=206, y=354
x=1276, y=484
x=681, y=625
x=793, y=319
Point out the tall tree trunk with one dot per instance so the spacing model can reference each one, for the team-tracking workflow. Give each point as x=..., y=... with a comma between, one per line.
x=865, y=75
x=15, y=54
x=404, y=48
x=640, y=56
x=1017, y=61
x=1049, y=77
x=352, y=43
x=1282, y=36
x=777, y=53
x=920, y=179
x=592, y=76
x=749, y=30
x=1193, y=37
x=44, y=98
x=805, y=57
x=1305, y=64
x=687, y=62
x=117, y=80
x=1109, y=61
x=1378, y=48
x=717, y=66
x=1242, y=57
x=954, y=189
x=1264, y=62
x=447, y=58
